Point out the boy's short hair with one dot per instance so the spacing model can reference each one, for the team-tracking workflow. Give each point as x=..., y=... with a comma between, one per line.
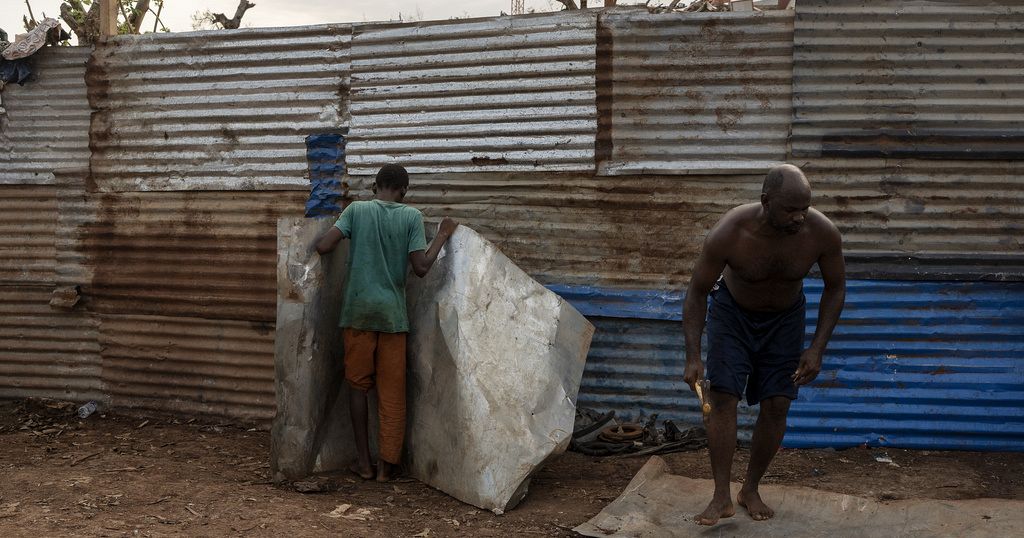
x=392, y=176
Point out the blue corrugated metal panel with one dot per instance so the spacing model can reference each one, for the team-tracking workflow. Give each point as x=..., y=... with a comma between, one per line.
x=911, y=364
x=326, y=156
x=616, y=303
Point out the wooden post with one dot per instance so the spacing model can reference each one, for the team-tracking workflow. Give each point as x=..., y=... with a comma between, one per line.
x=108, y=18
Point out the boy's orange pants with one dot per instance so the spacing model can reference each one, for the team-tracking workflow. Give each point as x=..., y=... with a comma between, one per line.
x=378, y=359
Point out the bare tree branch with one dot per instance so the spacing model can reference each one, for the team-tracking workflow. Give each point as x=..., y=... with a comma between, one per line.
x=233, y=23
x=134, y=19
x=159, y=10
x=569, y=4
x=30, y=14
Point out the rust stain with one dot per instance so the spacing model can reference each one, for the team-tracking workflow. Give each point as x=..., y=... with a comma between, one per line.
x=728, y=116
x=489, y=161
x=204, y=254
x=604, y=74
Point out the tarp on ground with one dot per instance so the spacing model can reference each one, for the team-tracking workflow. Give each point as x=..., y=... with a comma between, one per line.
x=658, y=504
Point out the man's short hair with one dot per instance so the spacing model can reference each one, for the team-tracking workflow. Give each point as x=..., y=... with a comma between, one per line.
x=392, y=176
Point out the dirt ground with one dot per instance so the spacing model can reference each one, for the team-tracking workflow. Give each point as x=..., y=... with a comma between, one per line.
x=113, y=475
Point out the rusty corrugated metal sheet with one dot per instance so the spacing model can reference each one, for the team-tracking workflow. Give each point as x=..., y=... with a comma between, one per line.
x=28, y=219
x=47, y=122
x=498, y=94
x=45, y=352
x=928, y=79
x=192, y=365
x=581, y=229
x=184, y=287
x=693, y=93
x=966, y=218
x=215, y=110
x=209, y=254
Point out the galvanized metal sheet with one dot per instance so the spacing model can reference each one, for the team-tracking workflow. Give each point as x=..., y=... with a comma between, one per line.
x=494, y=369
x=499, y=94
x=693, y=93
x=190, y=365
x=935, y=365
x=930, y=79
x=215, y=110
x=46, y=353
x=28, y=220
x=46, y=125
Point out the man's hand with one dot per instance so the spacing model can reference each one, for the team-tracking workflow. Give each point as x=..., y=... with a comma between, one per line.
x=810, y=365
x=693, y=373
x=447, y=227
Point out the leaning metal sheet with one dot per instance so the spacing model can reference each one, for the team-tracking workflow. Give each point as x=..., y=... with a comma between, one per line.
x=495, y=362
x=659, y=504
x=305, y=437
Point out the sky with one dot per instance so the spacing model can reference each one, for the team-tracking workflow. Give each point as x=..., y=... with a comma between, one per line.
x=177, y=14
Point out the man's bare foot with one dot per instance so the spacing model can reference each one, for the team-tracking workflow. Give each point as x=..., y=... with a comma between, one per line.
x=366, y=473
x=751, y=500
x=717, y=508
x=386, y=471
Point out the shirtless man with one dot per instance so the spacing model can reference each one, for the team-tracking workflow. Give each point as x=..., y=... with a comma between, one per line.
x=756, y=323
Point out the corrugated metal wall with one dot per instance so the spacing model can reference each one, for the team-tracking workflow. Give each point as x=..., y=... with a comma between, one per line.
x=578, y=229
x=47, y=122
x=909, y=79
x=225, y=110
x=944, y=219
x=912, y=364
x=694, y=93
x=501, y=121
x=43, y=352
x=28, y=217
x=499, y=94
x=197, y=254
x=919, y=365
x=189, y=364
x=966, y=219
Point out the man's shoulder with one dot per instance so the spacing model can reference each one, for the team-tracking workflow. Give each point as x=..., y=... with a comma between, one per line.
x=739, y=216
x=821, y=223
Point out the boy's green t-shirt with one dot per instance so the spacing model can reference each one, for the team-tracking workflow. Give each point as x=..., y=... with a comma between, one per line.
x=381, y=236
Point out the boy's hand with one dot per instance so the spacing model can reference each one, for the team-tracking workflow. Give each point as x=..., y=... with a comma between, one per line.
x=447, y=227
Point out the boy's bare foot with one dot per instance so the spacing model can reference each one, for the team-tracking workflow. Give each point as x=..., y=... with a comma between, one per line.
x=366, y=473
x=751, y=500
x=386, y=471
x=717, y=508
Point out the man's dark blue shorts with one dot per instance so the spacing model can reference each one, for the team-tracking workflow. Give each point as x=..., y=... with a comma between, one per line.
x=759, y=350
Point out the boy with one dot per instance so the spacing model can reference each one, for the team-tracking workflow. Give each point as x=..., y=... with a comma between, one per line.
x=385, y=237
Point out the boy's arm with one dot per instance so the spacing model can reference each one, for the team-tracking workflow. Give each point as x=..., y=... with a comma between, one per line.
x=422, y=262
x=329, y=240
